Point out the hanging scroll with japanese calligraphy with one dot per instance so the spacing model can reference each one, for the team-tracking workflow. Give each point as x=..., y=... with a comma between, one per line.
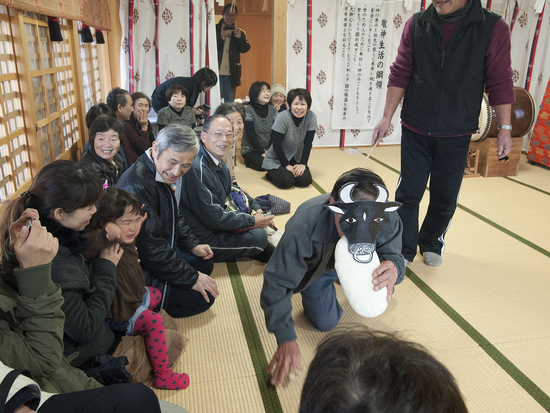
x=362, y=63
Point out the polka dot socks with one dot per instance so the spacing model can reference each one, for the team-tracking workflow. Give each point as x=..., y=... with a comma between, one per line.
x=151, y=323
x=154, y=297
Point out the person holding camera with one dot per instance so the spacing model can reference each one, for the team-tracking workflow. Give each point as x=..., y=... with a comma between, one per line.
x=32, y=366
x=232, y=41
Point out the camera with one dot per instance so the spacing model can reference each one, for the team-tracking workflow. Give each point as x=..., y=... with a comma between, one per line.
x=204, y=108
x=232, y=27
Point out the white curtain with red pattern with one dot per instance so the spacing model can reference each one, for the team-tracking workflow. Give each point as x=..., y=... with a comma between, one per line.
x=312, y=33
x=165, y=39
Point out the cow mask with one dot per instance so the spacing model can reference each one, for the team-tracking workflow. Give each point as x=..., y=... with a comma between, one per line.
x=355, y=253
x=362, y=221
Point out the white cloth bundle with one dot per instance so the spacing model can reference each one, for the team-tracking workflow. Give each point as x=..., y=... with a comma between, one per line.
x=356, y=280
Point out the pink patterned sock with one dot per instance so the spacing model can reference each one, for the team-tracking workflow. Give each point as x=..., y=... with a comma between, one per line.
x=151, y=323
x=155, y=296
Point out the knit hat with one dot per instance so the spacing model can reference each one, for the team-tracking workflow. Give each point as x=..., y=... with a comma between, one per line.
x=277, y=88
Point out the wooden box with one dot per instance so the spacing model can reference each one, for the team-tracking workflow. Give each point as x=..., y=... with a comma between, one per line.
x=489, y=165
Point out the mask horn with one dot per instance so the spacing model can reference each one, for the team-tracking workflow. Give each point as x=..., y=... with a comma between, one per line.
x=346, y=191
x=382, y=194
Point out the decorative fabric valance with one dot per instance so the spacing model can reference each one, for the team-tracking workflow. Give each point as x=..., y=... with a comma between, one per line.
x=94, y=13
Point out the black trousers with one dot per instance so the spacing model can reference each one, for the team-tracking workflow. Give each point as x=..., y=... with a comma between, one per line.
x=117, y=398
x=442, y=160
x=284, y=179
x=186, y=303
x=254, y=160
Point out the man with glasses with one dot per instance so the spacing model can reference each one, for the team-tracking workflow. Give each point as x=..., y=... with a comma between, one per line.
x=220, y=213
x=232, y=41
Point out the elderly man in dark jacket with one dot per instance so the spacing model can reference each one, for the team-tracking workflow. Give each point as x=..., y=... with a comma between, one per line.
x=172, y=258
x=231, y=233
x=232, y=41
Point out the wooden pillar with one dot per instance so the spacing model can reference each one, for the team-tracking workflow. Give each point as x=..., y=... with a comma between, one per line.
x=114, y=40
x=278, y=51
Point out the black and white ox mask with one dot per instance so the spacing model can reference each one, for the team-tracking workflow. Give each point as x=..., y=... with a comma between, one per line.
x=362, y=221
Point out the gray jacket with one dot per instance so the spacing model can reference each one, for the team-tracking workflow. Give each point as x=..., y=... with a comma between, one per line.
x=302, y=256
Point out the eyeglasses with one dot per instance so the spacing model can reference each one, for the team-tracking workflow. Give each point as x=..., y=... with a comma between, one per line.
x=219, y=135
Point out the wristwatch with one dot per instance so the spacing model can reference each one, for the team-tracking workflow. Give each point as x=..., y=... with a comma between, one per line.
x=507, y=127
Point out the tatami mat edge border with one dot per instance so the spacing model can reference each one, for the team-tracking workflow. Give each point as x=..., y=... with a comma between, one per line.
x=506, y=231
x=486, y=220
x=527, y=185
x=269, y=394
x=527, y=384
x=318, y=187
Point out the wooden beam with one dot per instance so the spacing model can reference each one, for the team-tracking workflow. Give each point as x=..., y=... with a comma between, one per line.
x=114, y=40
x=278, y=54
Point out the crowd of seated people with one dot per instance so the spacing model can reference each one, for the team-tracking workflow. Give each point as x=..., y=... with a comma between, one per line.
x=135, y=227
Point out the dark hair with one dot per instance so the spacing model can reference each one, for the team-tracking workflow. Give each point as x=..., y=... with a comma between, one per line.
x=116, y=97
x=98, y=110
x=204, y=78
x=356, y=370
x=61, y=184
x=113, y=205
x=104, y=123
x=138, y=95
x=211, y=119
x=230, y=107
x=301, y=93
x=365, y=189
x=173, y=89
x=228, y=7
x=256, y=89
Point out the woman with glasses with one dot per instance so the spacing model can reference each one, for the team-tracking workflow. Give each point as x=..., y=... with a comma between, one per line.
x=235, y=113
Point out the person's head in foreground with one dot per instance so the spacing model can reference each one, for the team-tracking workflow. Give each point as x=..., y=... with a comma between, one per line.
x=356, y=370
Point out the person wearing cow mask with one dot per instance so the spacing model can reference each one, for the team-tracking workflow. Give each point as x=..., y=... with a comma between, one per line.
x=303, y=262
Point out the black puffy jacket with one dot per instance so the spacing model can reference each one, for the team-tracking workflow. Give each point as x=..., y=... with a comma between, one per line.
x=162, y=231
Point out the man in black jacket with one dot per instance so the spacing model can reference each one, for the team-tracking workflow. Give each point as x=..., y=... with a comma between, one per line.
x=232, y=41
x=172, y=258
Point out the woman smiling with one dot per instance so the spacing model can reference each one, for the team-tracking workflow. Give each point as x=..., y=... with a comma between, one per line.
x=292, y=138
x=102, y=158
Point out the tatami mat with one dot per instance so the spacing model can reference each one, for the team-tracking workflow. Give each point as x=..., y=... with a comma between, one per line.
x=217, y=359
x=482, y=313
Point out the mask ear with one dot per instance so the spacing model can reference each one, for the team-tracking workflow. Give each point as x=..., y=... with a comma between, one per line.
x=335, y=209
x=392, y=206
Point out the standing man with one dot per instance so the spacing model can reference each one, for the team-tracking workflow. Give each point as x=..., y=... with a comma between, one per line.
x=448, y=54
x=232, y=41
x=231, y=234
x=172, y=258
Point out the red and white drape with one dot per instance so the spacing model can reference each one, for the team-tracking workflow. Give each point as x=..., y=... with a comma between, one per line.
x=175, y=38
x=312, y=46
x=166, y=38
